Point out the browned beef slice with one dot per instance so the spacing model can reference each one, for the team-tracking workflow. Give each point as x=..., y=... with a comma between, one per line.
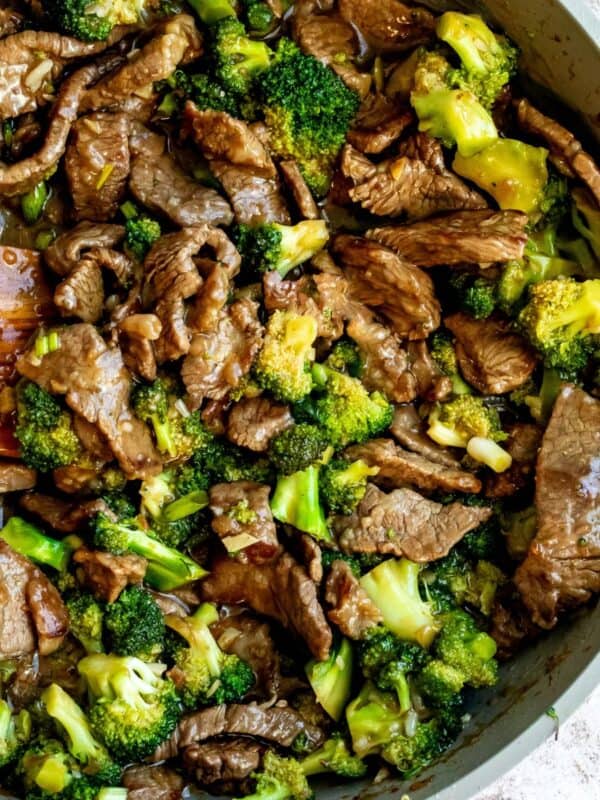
x=302, y=195
x=66, y=251
x=523, y=443
x=491, y=356
x=430, y=381
x=562, y=144
x=398, y=467
x=378, y=124
x=389, y=26
x=401, y=292
x=105, y=574
x=279, y=725
x=59, y=514
x=165, y=188
x=242, y=519
x=404, y=523
x=407, y=428
x=479, y=237
x=562, y=568
x=96, y=385
x=218, y=761
x=16, y=477
x=137, y=333
x=310, y=555
x=97, y=165
x=152, y=783
x=351, y=608
x=254, y=421
x=81, y=294
x=32, y=613
x=281, y=590
x=511, y=624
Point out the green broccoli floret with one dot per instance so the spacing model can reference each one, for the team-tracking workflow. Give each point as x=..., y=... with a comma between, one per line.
x=86, y=621
x=331, y=680
x=167, y=567
x=295, y=501
x=238, y=60
x=345, y=357
x=336, y=757
x=258, y=16
x=488, y=61
x=410, y=754
x=344, y=409
x=455, y=116
x=272, y=246
x=173, y=499
x=586, y=218
x=46, y=768
x=442, y=351
x=343, y=484
x=93, y=757
x=222, y=462
x=133, y=708
x=533, y=268
x=150, y=403
x=30, y=542
x=204, y=90
x=394, y=588
x=297, y=447
x=280, y=779
x=203, y=673
x=562, y=319
x=484, y=541
x=211, y=11
x=456, y=581
x=359, y=563
x=15, y=730
x=93, y=21
x=283, y=366
x=473, y=294
x=308, y=110
x=140, y=234
x=555, y=203
x=44, y=429
x=134, y=625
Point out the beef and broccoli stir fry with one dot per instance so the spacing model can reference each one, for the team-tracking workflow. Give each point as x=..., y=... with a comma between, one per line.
x=300, y=389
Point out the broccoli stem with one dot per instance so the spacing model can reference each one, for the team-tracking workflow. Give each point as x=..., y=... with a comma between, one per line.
x=186, y=505
x=211, y=11
x=296, y=502
x=112, y=793
x=331, y=680
x=30, y=542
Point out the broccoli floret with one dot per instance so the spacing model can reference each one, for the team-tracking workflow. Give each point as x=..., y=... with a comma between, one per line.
x=86, y=621
x=440, y=683
x=331, y=680
x=238, y=60
x=150, y=403
x=485, y=541
x=272, y=246
x=295, y=501
x=297, y=447
x=167, y=567
x=410, y=754
x=220, y=461
x=562, y=319
x=308, y=110
x=456, y=581
x=93, y=21
x=203, y=673
x=30, y=542
x=211, y=11
x=586, y=218
x=343, y=484
x=488, y=61
x=45, y=768
x=258, y=16
x=140, y=234
x=442, y=351
x=119, y=503
x=519, y=529
x=345, y=357
x=534, y=267
x=280, y=779
x=44, y=429
x=133, y=708
x=473, y=294
x=461, y=645
x=172, y=499
x=88, y=752
x=394, y=588
x=453, y=115
x=205, y=91
x=359, y=563
x=15, y=730
x=539, y=401
x=283, y=366
x=344, y=409
x=336, y=757
x=555, y=204
x=135, y=625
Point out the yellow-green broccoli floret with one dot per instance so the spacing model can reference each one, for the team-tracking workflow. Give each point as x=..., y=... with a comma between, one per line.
x=343, y=484
x=456, y=422
x=272, y=246
x=279, y=779
x=335, y=756
x=238, y=59
x=86, y=621
x=15, y=730
x=140, y=234
x=283, y=366
x=92, y=21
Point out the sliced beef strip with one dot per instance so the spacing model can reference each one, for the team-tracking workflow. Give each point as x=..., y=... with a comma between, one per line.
x=59, y=514
x=66, y=251
x=302, y=195
x=242, y=519
x=16, y=477
x=562, y=567
x=239, y=160
x=310, y=555
x=105, y=574
x=136, y=336
x=160, y=184
x=152, y=783
x=478, y=237
x=81, y=294
x=398, y=467
x=174, y=41
x=393, y=287
x=97, y=386
x=92, y=440
x=351, y=610
x=404, y=523
x=32, y=613
x=378, y=124
x=491, y=356
x=522, y=444
x=430, y=381
x=222, y=761
x=562, y=144
x=254, y=421
x=277, y=724
x=281, y=590
x=407, y=428
x=389, y=26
